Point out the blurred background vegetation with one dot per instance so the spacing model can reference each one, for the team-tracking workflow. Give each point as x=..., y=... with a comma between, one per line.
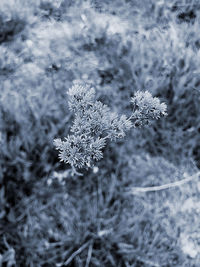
x=47, y=217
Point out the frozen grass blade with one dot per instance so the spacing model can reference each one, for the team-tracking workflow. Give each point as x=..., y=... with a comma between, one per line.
x=136, y=190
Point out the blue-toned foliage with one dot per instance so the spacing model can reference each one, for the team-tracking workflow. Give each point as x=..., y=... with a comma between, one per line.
x=94, y=124
x=119, y=62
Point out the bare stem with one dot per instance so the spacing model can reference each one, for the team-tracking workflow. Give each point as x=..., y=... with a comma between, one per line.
x=84, y=246
x=135, y=190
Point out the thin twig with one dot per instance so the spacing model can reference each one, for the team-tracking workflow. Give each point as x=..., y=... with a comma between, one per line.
x=74, y=171
x=89, y=255
x=76, y=253
x=135, y=190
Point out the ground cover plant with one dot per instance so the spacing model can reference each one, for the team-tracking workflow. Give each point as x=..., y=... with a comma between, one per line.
x=114, y=86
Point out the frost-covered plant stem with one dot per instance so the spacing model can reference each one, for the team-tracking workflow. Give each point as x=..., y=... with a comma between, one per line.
x=95, y=124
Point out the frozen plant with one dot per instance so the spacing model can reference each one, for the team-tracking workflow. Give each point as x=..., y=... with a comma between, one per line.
x=95, y=124
x=146, y=108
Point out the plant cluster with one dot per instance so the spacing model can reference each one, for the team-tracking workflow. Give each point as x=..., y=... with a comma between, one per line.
x=94, y=124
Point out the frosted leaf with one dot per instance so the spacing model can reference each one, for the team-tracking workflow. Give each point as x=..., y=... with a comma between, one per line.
x=79, y=96
x=146, y=108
